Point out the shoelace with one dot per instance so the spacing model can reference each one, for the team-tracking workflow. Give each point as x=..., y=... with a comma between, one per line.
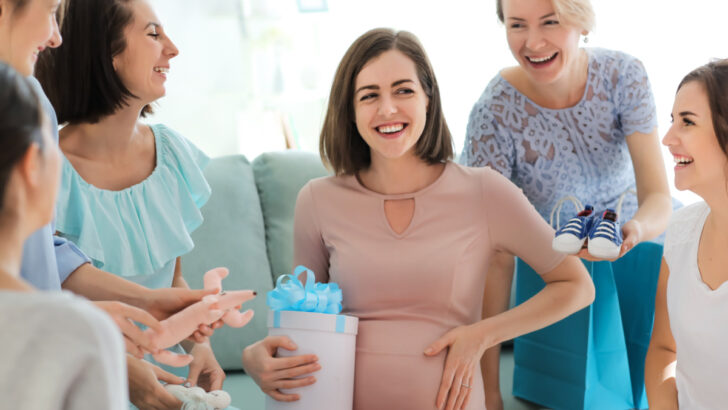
x=605, y=229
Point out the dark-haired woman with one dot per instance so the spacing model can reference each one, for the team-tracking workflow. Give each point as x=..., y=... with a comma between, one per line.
x=407, y=233
x=130, y=193
x=687, y=360
x=57, y=351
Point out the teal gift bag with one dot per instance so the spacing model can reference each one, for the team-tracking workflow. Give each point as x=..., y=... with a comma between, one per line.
x=580, y=362
x=635, y=275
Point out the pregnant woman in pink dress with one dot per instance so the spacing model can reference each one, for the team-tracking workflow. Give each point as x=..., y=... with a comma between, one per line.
x=408, y=234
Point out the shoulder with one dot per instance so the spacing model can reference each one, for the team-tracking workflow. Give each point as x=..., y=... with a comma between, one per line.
x=615, y=64
x=177, y=146
x=495, y=92
x=325, y=187
x=685, y=224
x=58, y=315
x=489, y=181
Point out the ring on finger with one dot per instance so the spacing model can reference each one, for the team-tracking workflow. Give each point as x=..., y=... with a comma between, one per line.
x=467, y=386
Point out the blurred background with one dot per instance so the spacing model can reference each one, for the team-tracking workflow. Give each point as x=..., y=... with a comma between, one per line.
x=254, y=75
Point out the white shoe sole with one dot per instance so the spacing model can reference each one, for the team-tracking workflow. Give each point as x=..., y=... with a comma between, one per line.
x=603, y=248
x=567, y=243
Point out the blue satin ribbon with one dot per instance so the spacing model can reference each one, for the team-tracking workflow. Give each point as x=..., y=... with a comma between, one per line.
x=312, y=297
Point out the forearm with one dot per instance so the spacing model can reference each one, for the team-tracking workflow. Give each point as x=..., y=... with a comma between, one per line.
x=660, y=378
x=178, y=281
x=653, y=215
x=554, y=302
x=496, y=299
x=96, y=284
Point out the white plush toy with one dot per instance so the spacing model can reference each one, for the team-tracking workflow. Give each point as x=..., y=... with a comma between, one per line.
x=196, y=398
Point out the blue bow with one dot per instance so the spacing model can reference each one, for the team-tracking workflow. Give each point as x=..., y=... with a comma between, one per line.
x=313, y=297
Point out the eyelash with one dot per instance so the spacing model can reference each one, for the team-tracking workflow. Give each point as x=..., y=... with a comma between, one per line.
x=399, y=91
x=687, y=122
x=545, y=23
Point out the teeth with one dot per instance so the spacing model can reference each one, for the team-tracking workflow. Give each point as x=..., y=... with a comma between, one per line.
x=388, y=129
x=163, y=70
x=540, y=60
x=682, y=160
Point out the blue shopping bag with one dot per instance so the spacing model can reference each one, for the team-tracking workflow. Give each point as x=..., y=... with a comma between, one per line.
x=580, y=362
x=635, y=275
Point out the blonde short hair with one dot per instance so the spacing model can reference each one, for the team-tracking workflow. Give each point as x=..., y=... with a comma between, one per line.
x=578, y=13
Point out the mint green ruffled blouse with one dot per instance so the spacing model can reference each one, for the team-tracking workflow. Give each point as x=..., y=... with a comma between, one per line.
x=138, y=232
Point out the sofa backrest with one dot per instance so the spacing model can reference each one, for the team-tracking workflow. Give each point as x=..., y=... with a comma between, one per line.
x=248, y=228
x=279, y=176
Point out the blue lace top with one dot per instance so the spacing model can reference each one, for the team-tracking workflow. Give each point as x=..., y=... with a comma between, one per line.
x=580, y=150
x=138, y=232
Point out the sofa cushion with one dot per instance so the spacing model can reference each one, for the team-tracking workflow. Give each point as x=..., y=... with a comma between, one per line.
x=279, y=176
x=233, y=236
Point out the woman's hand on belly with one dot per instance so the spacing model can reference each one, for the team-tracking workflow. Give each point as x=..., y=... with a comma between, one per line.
x=466, y=346
x=272, y=373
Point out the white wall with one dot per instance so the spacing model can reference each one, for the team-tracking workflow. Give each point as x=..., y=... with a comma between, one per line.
x=246, y=66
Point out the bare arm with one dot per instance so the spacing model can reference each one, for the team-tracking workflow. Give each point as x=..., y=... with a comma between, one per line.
x=495, y=300
x=661, y=356
x=95, y=284
x=653, y=192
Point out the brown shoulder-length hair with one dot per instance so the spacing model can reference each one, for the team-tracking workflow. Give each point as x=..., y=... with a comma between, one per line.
x=714, y=78
x=79, y=76
x=341, y=146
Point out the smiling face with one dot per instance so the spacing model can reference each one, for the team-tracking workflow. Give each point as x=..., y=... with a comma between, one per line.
x=544, y=46
x=145, y=62
x=26, y=32
x=700, y=163
x=390, y=106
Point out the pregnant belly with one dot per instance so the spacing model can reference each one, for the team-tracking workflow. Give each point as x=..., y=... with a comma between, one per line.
x=391, y=371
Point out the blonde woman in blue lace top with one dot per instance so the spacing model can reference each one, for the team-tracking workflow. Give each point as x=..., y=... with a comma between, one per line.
x=567, y=121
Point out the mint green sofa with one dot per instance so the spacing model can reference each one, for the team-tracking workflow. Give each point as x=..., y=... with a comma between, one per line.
x=248, y=228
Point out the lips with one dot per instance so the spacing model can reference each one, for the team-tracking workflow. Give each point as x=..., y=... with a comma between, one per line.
x=391, y=130
x=681, y=161
x=541, y=60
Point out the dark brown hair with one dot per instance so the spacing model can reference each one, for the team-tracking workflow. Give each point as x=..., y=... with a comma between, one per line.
x=714, y=78
x=79, y=77
x=341, y=146
x=20, y=122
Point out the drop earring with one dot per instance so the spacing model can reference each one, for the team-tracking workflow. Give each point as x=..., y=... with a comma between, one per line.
x=586, y=39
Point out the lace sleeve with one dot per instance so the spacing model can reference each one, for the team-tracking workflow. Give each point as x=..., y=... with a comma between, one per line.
x=485, y=143
x=635, y=103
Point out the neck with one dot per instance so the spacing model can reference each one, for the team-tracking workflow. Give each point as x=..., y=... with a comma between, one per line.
x=111, y=134
x=717, y=200
x=11, y=254
x=568, y=89
x=399, y=176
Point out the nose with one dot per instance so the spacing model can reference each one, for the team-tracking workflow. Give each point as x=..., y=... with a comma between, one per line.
x=56, y=40
x=669, y=139
x=535, y=39
x=170, y=50
x=387, y=105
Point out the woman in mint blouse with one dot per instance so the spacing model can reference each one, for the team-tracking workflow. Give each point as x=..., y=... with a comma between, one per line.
x=130, y=193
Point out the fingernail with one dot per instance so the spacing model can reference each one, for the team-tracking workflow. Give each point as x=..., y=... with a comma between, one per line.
x=429, y=351
x=255, y=293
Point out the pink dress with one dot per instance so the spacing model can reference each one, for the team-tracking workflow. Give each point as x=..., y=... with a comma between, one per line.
x=409, y=289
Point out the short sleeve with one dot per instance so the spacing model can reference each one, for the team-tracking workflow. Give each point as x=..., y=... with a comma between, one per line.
x=309, y=248
x=515, y=226
x=68, y=257
x=635, y=103
x=485, y=142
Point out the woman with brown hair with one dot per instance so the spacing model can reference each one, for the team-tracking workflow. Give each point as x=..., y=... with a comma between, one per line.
x=411, y=266
x=687, y=361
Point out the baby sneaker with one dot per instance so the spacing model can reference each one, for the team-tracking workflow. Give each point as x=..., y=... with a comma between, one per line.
x=605, y=237
x=570, y=237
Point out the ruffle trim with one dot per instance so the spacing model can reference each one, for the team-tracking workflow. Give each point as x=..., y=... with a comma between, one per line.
x=138, y=230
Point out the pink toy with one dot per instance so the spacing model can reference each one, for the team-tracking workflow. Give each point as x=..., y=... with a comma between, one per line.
x=210, y=309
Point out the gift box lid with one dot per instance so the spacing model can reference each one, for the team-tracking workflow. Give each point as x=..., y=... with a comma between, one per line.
x=323, y=322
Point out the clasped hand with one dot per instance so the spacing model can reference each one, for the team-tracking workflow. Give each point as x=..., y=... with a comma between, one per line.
x=466, y=345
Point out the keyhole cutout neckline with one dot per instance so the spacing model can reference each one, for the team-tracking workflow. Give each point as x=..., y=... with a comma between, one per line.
x=411, y=196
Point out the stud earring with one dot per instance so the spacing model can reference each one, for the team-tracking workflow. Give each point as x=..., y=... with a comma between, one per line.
x=586, y=39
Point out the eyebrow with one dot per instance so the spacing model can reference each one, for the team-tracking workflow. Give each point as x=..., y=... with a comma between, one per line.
x=376, y=87
x=685, y=113
x=152, y=24
x=540, y=18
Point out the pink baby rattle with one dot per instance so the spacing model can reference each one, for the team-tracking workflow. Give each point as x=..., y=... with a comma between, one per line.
x=210, y=309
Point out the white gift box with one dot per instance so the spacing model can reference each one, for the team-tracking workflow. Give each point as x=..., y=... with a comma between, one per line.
x=332, y=338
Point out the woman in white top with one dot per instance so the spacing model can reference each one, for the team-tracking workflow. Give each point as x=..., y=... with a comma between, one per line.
x=58, y=351
x=687, y=361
